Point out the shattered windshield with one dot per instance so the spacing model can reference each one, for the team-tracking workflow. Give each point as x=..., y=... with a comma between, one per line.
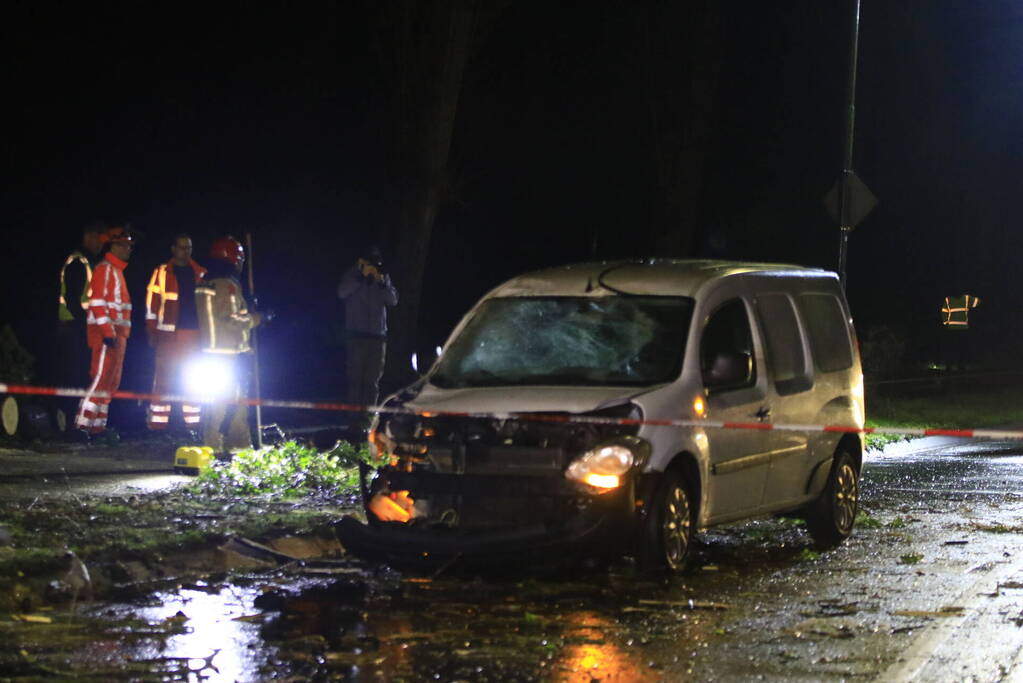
x=574, y=341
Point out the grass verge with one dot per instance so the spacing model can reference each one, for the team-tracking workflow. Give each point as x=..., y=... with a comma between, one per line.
x=947, y=409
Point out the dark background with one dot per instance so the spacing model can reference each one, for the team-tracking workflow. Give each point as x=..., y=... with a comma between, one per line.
x=269, y=119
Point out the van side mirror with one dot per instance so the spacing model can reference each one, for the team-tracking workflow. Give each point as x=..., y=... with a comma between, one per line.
x=729, y=369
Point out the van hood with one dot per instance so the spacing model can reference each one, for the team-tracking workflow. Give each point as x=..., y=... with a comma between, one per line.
x=522, y=399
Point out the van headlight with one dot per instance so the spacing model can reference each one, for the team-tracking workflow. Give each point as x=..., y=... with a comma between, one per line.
x=604, y=465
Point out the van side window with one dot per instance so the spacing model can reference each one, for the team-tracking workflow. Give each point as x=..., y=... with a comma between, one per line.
x=785, y=356
x=726, y=348
x=828, y=330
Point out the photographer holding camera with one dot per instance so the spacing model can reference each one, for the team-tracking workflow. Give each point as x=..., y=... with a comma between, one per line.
x=367, y=292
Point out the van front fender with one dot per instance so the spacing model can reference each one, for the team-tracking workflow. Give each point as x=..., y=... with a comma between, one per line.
x=819, y=477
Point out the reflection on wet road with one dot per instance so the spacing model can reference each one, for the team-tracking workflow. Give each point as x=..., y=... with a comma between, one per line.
x=958, y=467
x=931, y=570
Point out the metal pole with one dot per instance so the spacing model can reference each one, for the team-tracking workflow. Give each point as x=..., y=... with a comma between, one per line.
x=847, y=161
x=255, y=345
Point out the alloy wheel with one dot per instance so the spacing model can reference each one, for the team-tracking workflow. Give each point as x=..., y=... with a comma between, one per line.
x=676, y=528
x=846, y=497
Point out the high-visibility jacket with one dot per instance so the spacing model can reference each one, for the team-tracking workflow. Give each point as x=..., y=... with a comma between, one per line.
x=109, y=303
x=162, y=303
x=956, y=312
x=224, y=318
x=64, y=312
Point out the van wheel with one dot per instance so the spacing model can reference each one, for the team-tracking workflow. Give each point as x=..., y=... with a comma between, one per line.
x=831, y=517
x=668, y=532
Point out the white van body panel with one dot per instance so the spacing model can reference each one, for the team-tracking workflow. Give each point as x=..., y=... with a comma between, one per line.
x=742, y=472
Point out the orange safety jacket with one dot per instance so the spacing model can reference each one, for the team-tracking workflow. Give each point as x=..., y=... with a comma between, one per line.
x=956, y=311
x=109, y=303
x=162, y=296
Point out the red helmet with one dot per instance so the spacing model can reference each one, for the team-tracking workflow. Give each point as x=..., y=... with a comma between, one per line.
x=228, y=249
x=116, y=234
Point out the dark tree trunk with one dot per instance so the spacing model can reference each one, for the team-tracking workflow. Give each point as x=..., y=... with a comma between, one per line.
x=431, y=44
x=680, y=62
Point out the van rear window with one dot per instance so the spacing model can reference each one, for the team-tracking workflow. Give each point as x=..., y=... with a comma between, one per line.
x=828, y=330
x=785, y=355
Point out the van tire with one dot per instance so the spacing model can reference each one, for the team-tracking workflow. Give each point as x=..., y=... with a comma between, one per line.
x=668, y=531
x=830, y=518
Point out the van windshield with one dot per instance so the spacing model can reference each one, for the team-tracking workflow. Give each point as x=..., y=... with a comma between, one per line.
x=568, y=341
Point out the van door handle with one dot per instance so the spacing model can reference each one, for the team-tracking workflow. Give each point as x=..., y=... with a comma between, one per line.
x=763, y=414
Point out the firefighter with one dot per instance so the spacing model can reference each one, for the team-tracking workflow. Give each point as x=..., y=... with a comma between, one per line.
x=71, y=366
x=172, y=329
x=225, y=325
x=955, y=317
x=108, y=325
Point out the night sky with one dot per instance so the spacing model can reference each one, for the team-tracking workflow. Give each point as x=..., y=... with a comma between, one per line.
x=269, y=119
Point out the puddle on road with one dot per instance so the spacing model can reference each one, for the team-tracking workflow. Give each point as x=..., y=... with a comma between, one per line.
x=359, y=624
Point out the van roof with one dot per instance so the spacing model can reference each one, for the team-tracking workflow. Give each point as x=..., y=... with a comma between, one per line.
x=655, y=277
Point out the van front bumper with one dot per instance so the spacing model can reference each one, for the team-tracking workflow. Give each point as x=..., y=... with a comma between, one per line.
x=600, y=528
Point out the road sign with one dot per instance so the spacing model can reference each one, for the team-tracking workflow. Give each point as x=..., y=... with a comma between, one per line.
x=861, y=200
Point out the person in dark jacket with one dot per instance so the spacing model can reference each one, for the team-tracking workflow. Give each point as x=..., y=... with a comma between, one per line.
x=70, y=366
x=367, y=292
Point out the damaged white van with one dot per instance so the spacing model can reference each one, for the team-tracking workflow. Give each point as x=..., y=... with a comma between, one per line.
x=617, y=408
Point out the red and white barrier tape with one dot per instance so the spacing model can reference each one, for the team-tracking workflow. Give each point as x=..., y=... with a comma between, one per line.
x=526, y=417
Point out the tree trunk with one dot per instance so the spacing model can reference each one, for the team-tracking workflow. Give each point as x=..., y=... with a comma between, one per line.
x=681, y=61
x=432, y=45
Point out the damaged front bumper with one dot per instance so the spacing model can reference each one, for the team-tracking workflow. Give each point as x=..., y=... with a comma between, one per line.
x=581, y=525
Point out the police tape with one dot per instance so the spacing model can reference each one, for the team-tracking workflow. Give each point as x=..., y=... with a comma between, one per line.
x=30, y=390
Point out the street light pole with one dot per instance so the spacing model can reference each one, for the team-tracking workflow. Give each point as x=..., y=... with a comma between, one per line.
x=845, y=223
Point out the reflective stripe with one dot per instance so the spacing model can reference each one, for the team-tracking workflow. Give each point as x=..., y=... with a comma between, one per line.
x=159, y=419
x=210, y=322
x=63, y=313
x=113, y=305
x=956, y=310
x=87, y=404
x=192, y=419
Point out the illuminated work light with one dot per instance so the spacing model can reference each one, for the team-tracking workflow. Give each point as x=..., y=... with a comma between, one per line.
x=209, y=377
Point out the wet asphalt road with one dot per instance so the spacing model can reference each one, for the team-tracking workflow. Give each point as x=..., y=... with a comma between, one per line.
x=929, y=588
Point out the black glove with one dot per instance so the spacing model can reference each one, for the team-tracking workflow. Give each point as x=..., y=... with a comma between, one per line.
x=110, y=341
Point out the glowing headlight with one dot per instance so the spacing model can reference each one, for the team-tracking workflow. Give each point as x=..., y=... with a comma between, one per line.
x=603, y=466
x=209, y=378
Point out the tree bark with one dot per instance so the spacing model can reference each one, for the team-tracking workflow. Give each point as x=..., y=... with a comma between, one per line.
x=432, y=45
x=680, y=62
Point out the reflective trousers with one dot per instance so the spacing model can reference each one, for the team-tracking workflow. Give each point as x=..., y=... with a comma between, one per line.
x=105, y=371
x=173, y=351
